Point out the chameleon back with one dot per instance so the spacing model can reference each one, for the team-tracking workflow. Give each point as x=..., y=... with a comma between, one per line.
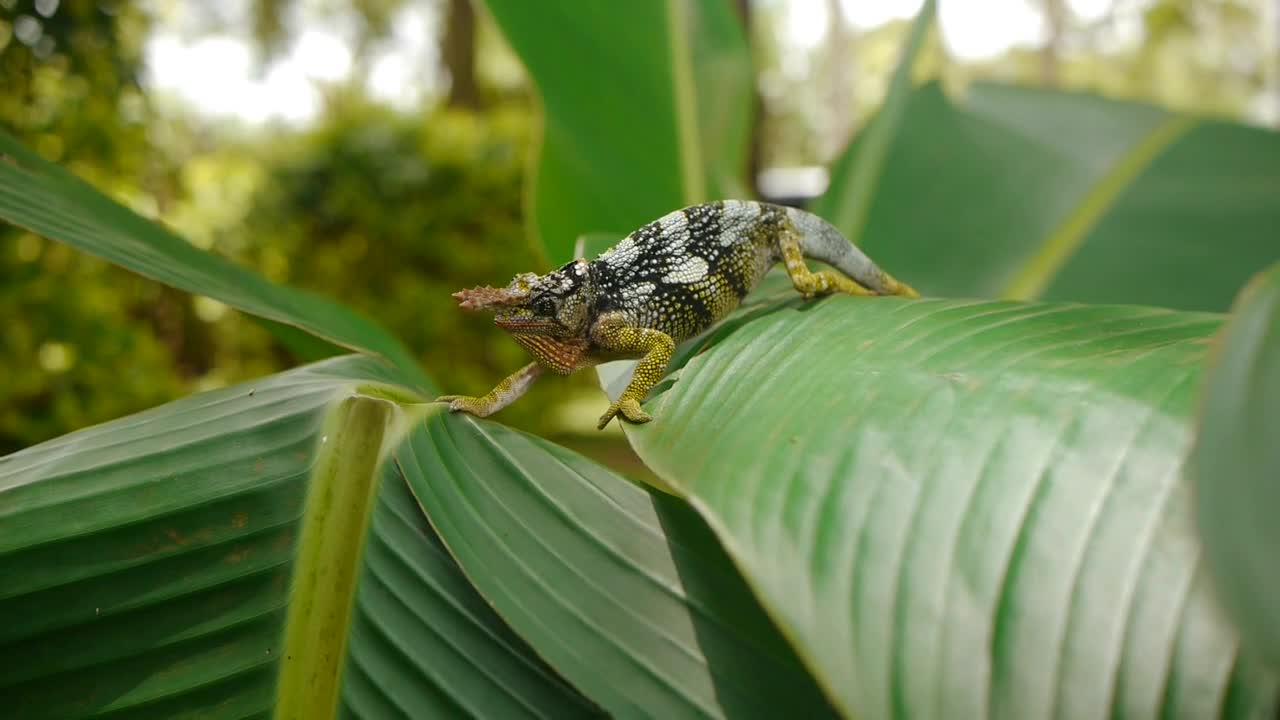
x=686, y=270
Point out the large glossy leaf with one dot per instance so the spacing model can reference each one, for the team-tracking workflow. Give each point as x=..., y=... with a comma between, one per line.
x=1020, y=193
x=1236, y=465
x=45, y=199
x=147, y=569
x=626, y=593
x=635, y=123
x=964, y=509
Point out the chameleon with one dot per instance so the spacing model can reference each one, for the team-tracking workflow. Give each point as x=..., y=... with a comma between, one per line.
x=666, y=282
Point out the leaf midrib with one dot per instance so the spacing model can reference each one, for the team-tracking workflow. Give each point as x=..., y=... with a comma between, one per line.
x=1043, y=263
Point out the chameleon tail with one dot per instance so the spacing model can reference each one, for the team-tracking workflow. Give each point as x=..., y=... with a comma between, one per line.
x=820, y=240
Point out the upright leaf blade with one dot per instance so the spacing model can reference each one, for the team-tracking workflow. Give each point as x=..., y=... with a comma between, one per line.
x=856, y=176
x=984, y=499
x=47, y=200
x=724, y=92
x=1014, y=192
x=1236, y=465
x=635, y=123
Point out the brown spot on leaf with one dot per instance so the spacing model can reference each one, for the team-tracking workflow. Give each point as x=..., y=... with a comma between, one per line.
x=239, y=520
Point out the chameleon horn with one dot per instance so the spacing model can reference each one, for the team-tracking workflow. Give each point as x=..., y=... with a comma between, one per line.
x=483, y=298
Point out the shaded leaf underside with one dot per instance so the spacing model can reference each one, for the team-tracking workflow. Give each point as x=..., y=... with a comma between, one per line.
x=423, y=643
x=627, y=594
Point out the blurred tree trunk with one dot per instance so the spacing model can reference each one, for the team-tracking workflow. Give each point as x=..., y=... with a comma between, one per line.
x=459, y=54
x=1275, y=66
x=754, y=152
x=841, y=109
x=1054, y=16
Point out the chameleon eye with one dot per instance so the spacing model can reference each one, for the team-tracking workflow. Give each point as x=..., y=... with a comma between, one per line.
x=544, y=306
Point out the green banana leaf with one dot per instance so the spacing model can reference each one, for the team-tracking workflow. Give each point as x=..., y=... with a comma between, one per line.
x=635, y=123
x=964, y=508
x=1031, y=194
x=232, y=554
x=145, y=569
x=46, y=199
x=1235, y=466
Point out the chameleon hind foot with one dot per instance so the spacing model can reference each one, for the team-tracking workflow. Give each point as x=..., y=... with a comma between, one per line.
x=899, y=288
x=812, y=284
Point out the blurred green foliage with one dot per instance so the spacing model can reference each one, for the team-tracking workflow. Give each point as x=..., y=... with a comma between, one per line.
x=390, y=214
x=80, y=340
x=71, y=81
x=385, y=211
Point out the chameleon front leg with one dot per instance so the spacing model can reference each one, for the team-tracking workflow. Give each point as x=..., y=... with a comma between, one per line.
x=506, y=392
x=810, y=283
x=656, y=347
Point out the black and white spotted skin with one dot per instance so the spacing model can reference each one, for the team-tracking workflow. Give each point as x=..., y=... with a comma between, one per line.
x=662, y=284
x=690, y=268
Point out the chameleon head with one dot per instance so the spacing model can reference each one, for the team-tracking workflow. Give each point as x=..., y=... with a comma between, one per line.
x=553, y=305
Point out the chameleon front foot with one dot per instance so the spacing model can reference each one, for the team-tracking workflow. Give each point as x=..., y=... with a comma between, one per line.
x=468, y=404
x=628, y=408
x=501, y=396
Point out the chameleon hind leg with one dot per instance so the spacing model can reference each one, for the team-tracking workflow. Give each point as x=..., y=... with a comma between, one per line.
x=655, y=348
x=809, y=283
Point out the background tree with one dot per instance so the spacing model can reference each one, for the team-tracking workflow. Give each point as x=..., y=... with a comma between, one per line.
x=80, y=340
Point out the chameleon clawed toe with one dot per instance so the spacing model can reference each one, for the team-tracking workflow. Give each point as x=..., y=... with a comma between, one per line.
x=629, y=409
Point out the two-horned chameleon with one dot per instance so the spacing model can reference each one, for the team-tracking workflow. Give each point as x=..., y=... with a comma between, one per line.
x=663, y=283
